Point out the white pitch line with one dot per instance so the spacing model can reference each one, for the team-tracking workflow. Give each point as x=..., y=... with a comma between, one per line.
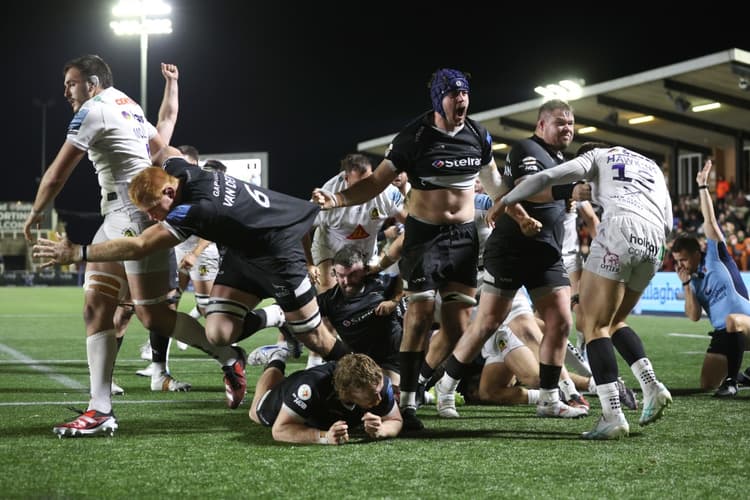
x=116, y=402
x=79, y=361
x=34, y=365
x=688, y=335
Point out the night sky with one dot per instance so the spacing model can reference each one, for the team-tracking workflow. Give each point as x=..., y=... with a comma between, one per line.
x=307, y=83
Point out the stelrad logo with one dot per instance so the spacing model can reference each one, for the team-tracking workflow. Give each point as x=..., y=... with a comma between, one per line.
x=461, y=162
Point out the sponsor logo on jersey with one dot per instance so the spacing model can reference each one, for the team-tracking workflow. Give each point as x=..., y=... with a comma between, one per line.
x=126, y=115
x=459, y=162
x=77, y=121
x=359, y=233
x=124, y=100
x=529, y=164
x=304, y=392
x=610, y=262
x=648, y=247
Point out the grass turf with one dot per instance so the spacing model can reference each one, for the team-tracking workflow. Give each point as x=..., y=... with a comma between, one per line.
x=191, y=445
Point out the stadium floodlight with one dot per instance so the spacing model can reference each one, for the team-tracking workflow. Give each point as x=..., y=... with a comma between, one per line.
x=567, y=90
x=138, y=17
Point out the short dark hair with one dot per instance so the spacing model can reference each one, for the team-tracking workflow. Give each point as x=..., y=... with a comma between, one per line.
x=348, y=256
x=91, y=65
x=588, y=146
x=551, y=105
x=214, y=165
x=687, y=243
x=356, y=162
x=191, y=151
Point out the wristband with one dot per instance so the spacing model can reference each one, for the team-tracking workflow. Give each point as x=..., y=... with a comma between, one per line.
x=84, y=253
x=686, y=283
x=562, y=191
x=704, y=186
x=322, y=439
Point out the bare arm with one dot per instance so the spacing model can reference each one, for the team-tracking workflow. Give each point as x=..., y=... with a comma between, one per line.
x=52, y=182
x=169, y=102
x=383, y=427
x=491, y=180
x=362, y=191
x=710, y=225
x=693, y=310
x=590, y=219
x=62, y=252
x=290, y=428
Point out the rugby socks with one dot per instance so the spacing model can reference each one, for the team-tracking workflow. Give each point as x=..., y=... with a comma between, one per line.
x=603, y=363
x=159, y=347
x=194, y=312
x=567, y=387
x=119, y=342
x=254, y=321
x=425, y=374
x=644, y=373
x=628, y=344
x=736, y=344
x=533, y=396
x=192, y=333
x=575, y=361
x=101, y=351
x=454, y=372
x=409, y=363
x=338, y=351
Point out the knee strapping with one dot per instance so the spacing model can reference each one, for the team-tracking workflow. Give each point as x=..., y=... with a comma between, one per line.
x=109, y=285
x=422, y=296
x=152, y=301
x=303, y=326
x=458, y=297
x=202, y=300
x=216, y=305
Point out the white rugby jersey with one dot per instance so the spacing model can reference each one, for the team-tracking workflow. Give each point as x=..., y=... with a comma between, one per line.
x=112, y=128
x=622, y=183
x=357, y=224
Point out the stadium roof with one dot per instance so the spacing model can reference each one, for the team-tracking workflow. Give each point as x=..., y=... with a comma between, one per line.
x=668, y=94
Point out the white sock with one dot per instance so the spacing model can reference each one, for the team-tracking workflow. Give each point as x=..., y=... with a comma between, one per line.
x=609, y=397
x=644, y=373
x=101, y=351
x=192, y=333
x=274, y=315
x=194, y=313
x=447, y=383
x=549, y=396
x=408, y=399
x=159, y=369
x=533, y=395
x=575, y=361
x=592, y=385
x=567, y=387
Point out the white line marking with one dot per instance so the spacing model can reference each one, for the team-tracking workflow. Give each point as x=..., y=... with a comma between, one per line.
x=689, y=335
x=115, y=402
x=79, y=361
x=33, y=364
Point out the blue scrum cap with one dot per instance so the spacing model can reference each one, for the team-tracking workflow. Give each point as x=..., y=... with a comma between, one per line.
x=443, y=81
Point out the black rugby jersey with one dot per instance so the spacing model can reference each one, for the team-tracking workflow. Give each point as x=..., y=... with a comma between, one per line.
x=310, y=394
x=355, y=320
x=234, y=213
x=526, y=158
x=426, y=153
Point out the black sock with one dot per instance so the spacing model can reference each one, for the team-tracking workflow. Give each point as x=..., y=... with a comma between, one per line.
x=338, y=351
x=426, y=372
x=159, y=347
x=736, y=342
x=276, y=363
x=409, y=363
x=549, y=376
x=455, y=368
x=628, y=344
x=254, y=321
x=602, y=360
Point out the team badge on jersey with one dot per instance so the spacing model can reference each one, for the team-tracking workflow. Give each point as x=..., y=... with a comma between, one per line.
x=304, y=392
x=129, y=233
x=202, y=270
x=374, y=213
x=359, y=233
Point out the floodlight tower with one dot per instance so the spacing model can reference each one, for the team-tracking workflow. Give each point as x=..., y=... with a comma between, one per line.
x=144, y=18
